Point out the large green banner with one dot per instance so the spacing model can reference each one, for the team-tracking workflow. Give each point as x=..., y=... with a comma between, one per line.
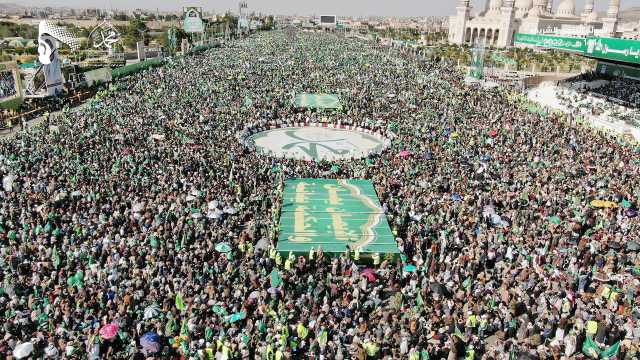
x=333, y=214
x=614, y=49
x=600, y=48
x=555, y=42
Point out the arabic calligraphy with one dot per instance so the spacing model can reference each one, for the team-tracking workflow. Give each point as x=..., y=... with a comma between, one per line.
x=104, y=36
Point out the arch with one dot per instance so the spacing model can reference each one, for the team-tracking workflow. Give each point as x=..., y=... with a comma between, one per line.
x=467, y=35
x=489, y=38
x=474, y=35
x=496, y=36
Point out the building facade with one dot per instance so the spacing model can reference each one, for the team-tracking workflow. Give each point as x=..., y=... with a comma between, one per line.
x=500, y=20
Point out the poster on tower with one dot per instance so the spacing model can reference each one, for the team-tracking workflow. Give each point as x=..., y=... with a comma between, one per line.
x=193, y=20
x=476, y=69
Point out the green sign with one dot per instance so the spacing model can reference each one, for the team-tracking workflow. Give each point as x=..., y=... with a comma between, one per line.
x=555, y=42
x=497, y=57
x=333, y=214
x=622, y=50
x=193, y=20
x=614, y=49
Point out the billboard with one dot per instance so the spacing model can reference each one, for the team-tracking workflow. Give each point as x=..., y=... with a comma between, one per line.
x=613, y=49
x=555, y=42
x=328, y=20
x=10, y=86
x=193, y=20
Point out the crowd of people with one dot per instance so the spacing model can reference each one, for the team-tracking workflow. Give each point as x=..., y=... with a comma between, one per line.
x=139, y=226
x=625, y=90
x=7, y=84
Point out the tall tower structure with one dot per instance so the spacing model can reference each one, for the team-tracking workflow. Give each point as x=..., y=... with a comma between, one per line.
x=463, y=13
x=539, y=8
x=508, y=14
x=588, y=8
x=610, y=23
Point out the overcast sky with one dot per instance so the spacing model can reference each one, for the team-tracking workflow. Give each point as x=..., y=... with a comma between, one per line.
x=299, y=7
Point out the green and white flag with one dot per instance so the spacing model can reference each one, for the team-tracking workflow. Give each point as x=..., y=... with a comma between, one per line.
x=180, y=305
x=591, y=349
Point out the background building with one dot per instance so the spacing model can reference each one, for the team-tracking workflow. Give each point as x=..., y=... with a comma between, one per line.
x=500, y=20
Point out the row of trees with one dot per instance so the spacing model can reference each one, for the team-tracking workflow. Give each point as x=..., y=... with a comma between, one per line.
x=524, y=58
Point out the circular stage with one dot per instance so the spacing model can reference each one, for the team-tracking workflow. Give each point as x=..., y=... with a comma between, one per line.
x=318, y=142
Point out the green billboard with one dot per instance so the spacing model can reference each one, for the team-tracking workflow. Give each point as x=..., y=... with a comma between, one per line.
x=555, y=42
x=333, y=215
x=612, y=49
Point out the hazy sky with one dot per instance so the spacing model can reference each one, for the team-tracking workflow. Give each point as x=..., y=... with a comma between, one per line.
x=299, y=7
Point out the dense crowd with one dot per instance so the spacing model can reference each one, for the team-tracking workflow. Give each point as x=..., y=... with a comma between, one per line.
x=7, y=84
x=625, y=90
x=523, y=230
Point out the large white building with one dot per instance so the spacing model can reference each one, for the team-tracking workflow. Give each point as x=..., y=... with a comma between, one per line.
x=500, y=20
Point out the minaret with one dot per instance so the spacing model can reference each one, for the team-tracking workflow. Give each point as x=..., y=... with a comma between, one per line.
x=614, y=9
x=508, y=13
x=549, y=6
x=539, y=8
x=463, y=13
x=610, y=23
x=588, y=8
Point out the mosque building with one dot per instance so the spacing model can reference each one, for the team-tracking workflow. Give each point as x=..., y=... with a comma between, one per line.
x=497, y=24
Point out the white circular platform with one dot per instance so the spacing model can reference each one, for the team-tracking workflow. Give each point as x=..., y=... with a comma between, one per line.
x=318, y=143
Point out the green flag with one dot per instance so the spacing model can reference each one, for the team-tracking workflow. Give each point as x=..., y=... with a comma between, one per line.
x=322, y=339
x=237, y=316
x=170, y=327
x=458, y=333
x=184, y=328
x=180, y=302
x=590, y=348
x=611, y=351
x=303, y=332
x=76, y=280
x=424, y=355
x=276, y=280
x=56, y=257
